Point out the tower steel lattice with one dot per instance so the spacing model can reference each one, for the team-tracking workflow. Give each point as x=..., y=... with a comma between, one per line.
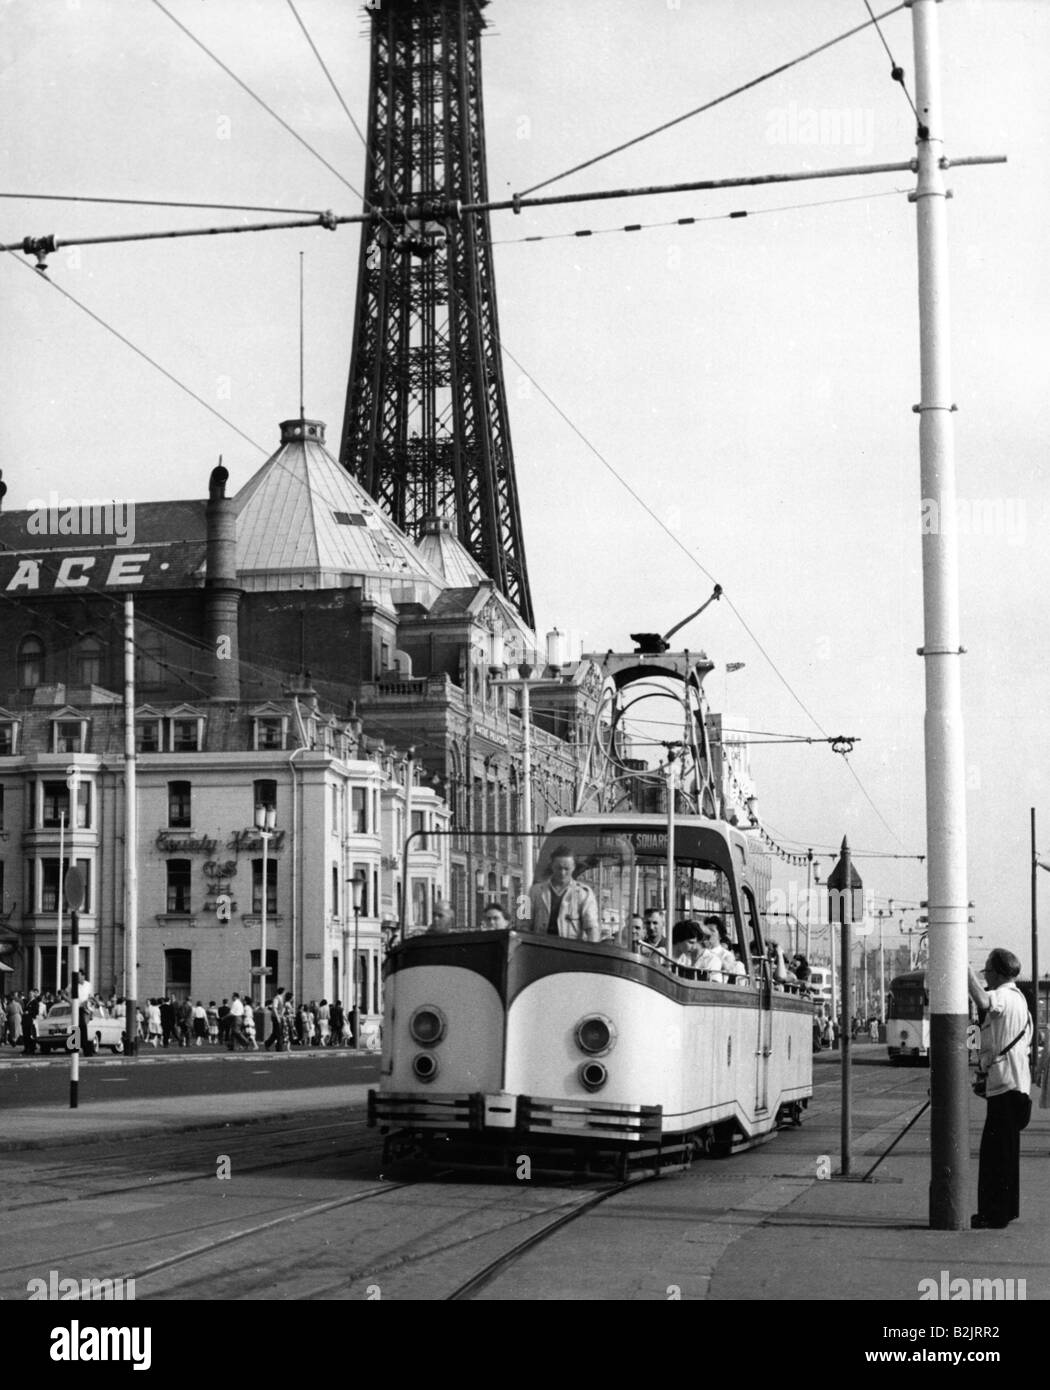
x=426, y=428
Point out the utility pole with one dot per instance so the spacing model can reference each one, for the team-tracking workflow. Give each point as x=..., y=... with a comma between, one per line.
x=131, y=857
x=941, y=653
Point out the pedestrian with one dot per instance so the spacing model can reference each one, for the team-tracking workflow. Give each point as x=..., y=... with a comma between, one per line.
x=235, y=1024
x=249, y=1026
x=155, y=1026
x=277, y=1007
x=213, y=1021
x=200, y=1023
x=14, y=1019
x=29, y=1017
x=873, y=1029
x=1006, y=1023
x=287, y=1021
x=224, y=1015
x=167, y=1019
x=324, y=1023
x=338, y=1019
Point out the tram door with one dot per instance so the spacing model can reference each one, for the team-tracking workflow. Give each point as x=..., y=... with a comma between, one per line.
x=764, y=1038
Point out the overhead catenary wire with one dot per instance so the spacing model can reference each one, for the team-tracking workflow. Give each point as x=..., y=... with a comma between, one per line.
x=157, y=203
x=256, y=98
x=896, y=71
x=716, y=101
x=736, y=215
x=446, y=211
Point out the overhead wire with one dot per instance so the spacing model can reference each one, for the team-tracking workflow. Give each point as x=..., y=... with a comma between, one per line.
x=896, y=71
x=256, y=98
x=157, y=203
x=737, y=215
x=503, y=346
x=708, y=105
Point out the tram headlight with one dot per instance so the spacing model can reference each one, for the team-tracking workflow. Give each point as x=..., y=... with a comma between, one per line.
x=424, y=1066
x=595, y=1034
x=593, y=1075
x=428, y=1025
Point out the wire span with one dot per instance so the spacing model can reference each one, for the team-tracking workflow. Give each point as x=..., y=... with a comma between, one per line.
x=708, y=105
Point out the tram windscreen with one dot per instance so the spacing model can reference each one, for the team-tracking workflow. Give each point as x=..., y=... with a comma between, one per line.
x=631, y=887
x=906, y=999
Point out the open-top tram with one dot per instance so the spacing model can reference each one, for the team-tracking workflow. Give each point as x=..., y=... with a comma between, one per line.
x=571, y=1039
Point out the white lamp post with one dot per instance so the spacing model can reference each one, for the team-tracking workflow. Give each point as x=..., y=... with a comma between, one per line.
x=357, y=888
x=265, y=823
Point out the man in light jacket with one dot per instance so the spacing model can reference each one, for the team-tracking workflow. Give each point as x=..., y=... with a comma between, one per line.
x=562, y=906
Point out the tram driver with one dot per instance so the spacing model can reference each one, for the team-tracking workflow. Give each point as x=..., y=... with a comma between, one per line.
x=562, y=905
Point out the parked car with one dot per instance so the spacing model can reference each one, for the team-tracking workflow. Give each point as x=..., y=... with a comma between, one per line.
x=102, y=1031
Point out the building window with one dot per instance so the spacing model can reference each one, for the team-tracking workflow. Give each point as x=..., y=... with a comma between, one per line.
x=51, y=884
x=55, y=805
x=147, y=736
x=264, y=793
x=186, y=735
x=8, y=738
x=88, y=662
x=271, y=886
x=149, y=659
x=1, y=861
x=335, y=890
x=177, y=977
x=420, y=903
x=359, y=810
x=419, y=828
x=69, y=736
x=30, y=663
x=271, y=732
x=361, y=869
x=179, y=871
x=335, y=810
x=179, y=814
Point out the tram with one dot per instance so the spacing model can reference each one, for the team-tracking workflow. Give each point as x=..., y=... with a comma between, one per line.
x=570, y=1040
x=908, y=1019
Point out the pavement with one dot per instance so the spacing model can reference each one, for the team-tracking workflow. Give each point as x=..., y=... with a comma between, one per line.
x=794, y=1235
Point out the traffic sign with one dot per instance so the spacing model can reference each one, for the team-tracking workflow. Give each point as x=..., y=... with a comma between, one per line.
x=258, y=971
x=74, y=889
x=72, y=1041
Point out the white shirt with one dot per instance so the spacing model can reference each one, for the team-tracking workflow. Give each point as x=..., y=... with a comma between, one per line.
x=237, y=1009
x=1006, y=1017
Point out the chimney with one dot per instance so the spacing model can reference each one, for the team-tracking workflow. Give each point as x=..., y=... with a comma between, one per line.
x=221, y=593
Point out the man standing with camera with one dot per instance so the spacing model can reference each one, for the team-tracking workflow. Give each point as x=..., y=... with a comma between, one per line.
x=1005, y=1023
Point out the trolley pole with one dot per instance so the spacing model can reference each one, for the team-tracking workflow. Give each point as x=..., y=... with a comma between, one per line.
x=941, y=653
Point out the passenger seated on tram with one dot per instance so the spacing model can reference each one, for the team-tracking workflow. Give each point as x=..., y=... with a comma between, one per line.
x=494, y=918
x=637, y=928
x=733, y=968
x=562, y=905
x=687, y=944
x=781, y=973
x=713, y=958
x=654, y=929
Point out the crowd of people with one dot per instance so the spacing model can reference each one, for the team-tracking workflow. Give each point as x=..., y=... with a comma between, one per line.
x=165, y=1021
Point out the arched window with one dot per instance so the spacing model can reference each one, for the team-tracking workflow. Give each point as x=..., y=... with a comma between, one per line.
x=149, y=653
x=30, y=663
x=87, y=662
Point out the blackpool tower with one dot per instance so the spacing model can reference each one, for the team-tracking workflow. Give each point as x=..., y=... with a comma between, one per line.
x=426, y=429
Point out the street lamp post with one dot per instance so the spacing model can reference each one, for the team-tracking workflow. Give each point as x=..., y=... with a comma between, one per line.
x=357, y=888
x=265, y=822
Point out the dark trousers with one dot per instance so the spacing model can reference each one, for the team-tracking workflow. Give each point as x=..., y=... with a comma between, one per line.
x=999, y=1178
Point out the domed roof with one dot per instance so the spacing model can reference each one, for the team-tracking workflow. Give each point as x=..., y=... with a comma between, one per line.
x=303, y=521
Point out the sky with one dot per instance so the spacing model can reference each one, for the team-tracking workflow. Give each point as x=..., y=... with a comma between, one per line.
x=751, y=381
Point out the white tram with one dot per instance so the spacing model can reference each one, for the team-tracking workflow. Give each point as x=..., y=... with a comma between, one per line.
x=572, y=1044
